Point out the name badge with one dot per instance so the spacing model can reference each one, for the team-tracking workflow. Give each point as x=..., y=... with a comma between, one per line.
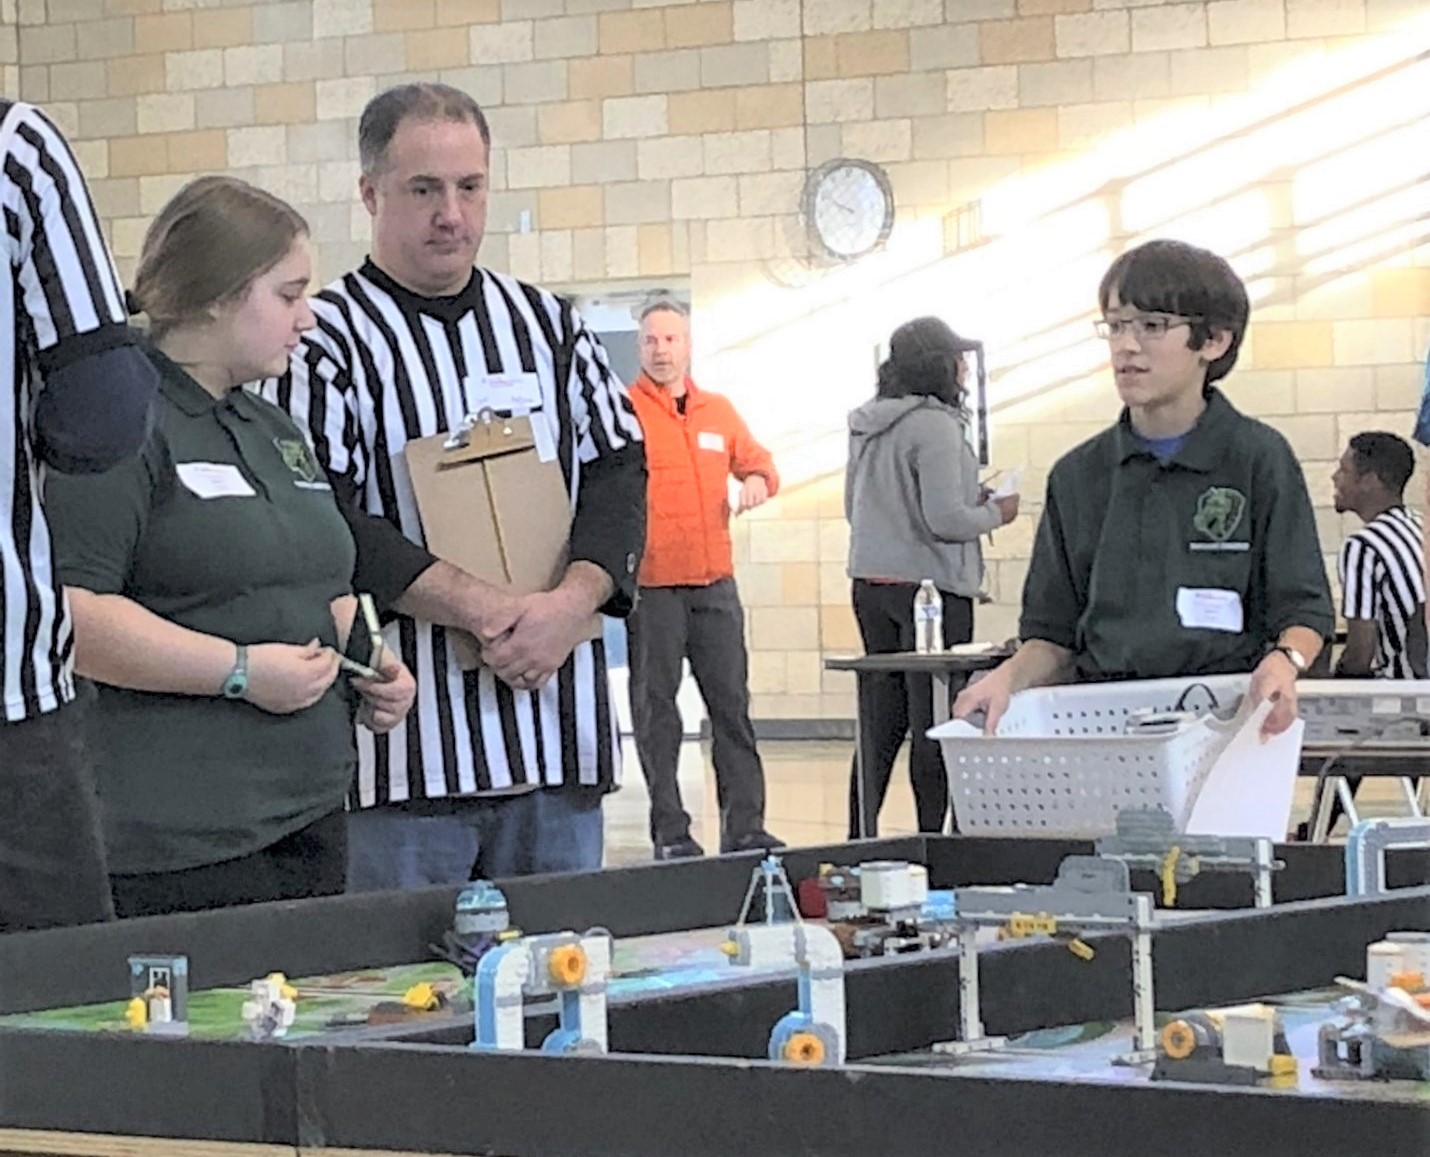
x=1208, y=609
x=709, y=440
x=504, y=393
x=214, y=480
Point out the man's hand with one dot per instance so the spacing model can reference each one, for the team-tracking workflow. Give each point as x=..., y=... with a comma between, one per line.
x=386, y=701
x=496, y=615
x=988, y=692
x=755, y=491
x=1274, y=681
x=548, y=626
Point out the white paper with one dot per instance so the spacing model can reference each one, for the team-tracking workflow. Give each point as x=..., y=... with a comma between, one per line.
x=1210, y=609
x=709, y=440
x=1008, y=486
x=503, y=393
x=214, y=480
x=1249, y=790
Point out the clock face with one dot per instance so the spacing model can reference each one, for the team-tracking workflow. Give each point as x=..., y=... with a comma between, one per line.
x=850, y=207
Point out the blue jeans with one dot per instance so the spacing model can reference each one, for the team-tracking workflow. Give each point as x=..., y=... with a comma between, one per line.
x=453, y=841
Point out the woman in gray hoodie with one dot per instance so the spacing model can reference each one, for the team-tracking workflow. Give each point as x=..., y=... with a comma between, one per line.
x=916, y=511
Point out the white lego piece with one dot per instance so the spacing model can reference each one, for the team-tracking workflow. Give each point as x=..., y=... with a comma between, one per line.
x=1248, y=1036
x=1383, y=960
x=892, y=885
x=1414, y=951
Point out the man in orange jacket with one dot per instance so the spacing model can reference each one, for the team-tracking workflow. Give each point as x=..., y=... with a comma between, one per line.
x=688, y=606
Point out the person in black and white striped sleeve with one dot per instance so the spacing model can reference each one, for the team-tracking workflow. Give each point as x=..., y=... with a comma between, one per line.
x=76, y=398
x=499, y=771
x=1382, y=565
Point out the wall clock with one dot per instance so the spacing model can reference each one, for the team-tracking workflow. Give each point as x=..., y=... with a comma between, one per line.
x=848, y=208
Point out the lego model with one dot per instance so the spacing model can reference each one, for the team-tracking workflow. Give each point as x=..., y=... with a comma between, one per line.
x=1367, y=843
x=270, y=1009
x=879, y=909
x=770, y=886
x=1233, y=1046
x=481, y=923
x=1384, y=1030
x=1148, y=838
x=1090, y=894
x=574, y=968
x=814, y=1034
x=159, y=995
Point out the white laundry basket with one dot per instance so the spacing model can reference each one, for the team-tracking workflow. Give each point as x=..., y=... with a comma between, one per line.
x=1062, y=764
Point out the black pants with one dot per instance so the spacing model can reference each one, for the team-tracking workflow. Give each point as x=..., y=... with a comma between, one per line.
x=313, y=861
x=707, y=626
x=52, y=864
x=893, y=705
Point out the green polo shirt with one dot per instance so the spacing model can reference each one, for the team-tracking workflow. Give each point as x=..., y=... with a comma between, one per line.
x=223, y=524
x=1226, y=524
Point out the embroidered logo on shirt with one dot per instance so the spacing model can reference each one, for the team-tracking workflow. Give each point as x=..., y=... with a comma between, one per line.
x=1219, y=513
x=298, y=456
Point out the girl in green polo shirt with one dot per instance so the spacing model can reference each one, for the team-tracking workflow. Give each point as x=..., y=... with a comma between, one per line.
x=210, y=581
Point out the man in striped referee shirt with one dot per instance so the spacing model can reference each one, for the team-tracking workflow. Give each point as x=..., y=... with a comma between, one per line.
x=77, y=400
x=500, y=771
x=1382, y=565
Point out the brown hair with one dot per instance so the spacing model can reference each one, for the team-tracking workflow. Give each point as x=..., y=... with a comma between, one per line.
x=207, y=245
x=421, y=101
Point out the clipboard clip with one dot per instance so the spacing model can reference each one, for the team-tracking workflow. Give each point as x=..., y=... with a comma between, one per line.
x=461, y=437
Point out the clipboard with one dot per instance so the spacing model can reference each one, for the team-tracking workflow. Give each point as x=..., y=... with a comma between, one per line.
x=493, y=504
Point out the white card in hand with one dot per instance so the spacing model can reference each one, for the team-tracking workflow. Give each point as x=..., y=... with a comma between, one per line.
x=1008, y=486
x=1209, y=609
x=214, y=480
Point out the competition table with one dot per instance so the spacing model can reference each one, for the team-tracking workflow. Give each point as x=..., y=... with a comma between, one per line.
x=687, y=1077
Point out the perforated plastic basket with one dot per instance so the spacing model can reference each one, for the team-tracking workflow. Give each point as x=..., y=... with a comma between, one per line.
x=1061, y=764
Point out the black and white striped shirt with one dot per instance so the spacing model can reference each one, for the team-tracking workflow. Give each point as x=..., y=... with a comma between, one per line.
x=59, y=298
x=385, y=366
x=1382, y=569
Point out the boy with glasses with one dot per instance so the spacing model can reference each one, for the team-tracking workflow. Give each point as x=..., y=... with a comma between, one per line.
x=1180, y=541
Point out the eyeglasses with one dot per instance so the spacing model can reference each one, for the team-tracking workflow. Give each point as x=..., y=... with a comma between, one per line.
x=1146, y=325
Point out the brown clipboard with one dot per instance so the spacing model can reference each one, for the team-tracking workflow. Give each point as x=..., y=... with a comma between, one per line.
x=490, y=505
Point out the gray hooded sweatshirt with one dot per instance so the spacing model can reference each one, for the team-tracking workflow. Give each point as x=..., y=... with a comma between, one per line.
x=911, y=496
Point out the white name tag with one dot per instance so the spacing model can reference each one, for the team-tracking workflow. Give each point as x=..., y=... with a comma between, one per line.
x=214, y=480
x=709, y=440
x=504, y=392
x=1210, y=609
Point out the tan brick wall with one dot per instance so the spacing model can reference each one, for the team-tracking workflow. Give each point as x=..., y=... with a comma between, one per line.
x=1026, y=140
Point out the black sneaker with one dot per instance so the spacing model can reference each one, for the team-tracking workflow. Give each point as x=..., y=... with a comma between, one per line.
x=757, y=841
x=684, y=848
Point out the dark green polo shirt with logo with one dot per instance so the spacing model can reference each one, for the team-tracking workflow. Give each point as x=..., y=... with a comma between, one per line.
x=224, y=524
x=1141, y=568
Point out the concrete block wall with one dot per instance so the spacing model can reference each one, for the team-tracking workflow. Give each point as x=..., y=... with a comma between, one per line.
x=1026, y=141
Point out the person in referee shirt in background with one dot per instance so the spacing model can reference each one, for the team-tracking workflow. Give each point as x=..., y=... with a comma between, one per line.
x=1382, y=565
x=1382, y=568
x=500, y=771
x=78, y=401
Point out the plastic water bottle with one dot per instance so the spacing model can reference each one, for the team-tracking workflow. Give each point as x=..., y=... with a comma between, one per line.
x=928, y=619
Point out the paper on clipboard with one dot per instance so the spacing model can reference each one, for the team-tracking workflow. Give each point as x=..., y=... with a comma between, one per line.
x=494, y=505
x=1249, y=790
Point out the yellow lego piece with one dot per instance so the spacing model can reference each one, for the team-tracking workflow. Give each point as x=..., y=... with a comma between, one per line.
x=422, y=997
x=136, y=1012
x=1283, y=1065
x=1021, y=924
x=1168, y=874
x=1081, y=949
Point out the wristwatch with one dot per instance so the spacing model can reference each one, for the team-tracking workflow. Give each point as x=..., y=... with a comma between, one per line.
x=1298, y=660
x=236, y=685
